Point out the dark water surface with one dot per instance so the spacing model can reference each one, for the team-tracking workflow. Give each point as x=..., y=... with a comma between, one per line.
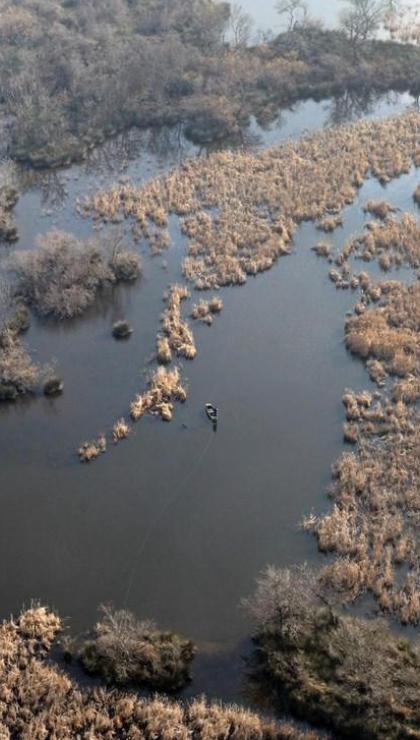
x=176, y=522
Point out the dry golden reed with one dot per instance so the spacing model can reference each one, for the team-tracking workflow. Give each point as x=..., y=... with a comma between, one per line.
x=165, y=387
x=38, y=700
x=239, y=210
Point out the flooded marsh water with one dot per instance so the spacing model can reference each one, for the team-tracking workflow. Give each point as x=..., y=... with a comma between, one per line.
x=176, y=522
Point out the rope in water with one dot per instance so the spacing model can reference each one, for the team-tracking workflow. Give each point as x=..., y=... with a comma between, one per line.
x=175, y=497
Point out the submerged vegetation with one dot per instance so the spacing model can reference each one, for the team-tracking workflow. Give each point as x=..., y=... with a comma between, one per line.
x=351, y=675
x=39, y=700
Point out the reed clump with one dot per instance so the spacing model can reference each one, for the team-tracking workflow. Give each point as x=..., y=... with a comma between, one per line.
x=379, y=208
x=178, y=333
x=38, y=700
x=205, y=311
x=89, y=451
x=329, y=223
x=392, y=243
x=120, y=430
x=390, y=333
x=165, y=387
x=352, y=675
x=163, y=350
x=372, y=527
x=63, y=276
x=9, y=196
x=322, y=249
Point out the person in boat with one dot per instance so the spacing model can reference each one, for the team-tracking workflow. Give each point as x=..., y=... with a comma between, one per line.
x=212, y=412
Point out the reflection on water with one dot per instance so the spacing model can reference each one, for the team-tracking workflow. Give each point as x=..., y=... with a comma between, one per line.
x=140, y=154
x=213, y=509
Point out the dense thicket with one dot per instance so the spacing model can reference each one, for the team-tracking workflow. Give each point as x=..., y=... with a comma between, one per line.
x=72, y=72
x=352, y=675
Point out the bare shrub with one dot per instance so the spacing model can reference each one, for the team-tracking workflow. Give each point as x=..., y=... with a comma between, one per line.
x=353, y=675
x=125, y=649
x=63, y=276
x=18, y=373
x=38, y=700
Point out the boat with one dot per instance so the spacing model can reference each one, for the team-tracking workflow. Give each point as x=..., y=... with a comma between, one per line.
x=212, y=412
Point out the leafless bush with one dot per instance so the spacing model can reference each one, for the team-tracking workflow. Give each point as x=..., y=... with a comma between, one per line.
x=350, y=674
x=283, y=595
x=18, y=373
x=125, y=649
x=63, y=276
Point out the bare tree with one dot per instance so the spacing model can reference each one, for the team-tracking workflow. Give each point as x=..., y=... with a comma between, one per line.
x=241, y=25
x=362, y=19
x=295, y=11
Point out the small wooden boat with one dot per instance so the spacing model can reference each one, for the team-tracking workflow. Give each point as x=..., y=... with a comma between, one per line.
x=212, y=412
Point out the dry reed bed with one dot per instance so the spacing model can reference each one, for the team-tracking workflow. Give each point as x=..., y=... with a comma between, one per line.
x=37, y=700
x=177, y=332
x=240, y=210
x=374, y=526
x=392, y=243
x=389, y=335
